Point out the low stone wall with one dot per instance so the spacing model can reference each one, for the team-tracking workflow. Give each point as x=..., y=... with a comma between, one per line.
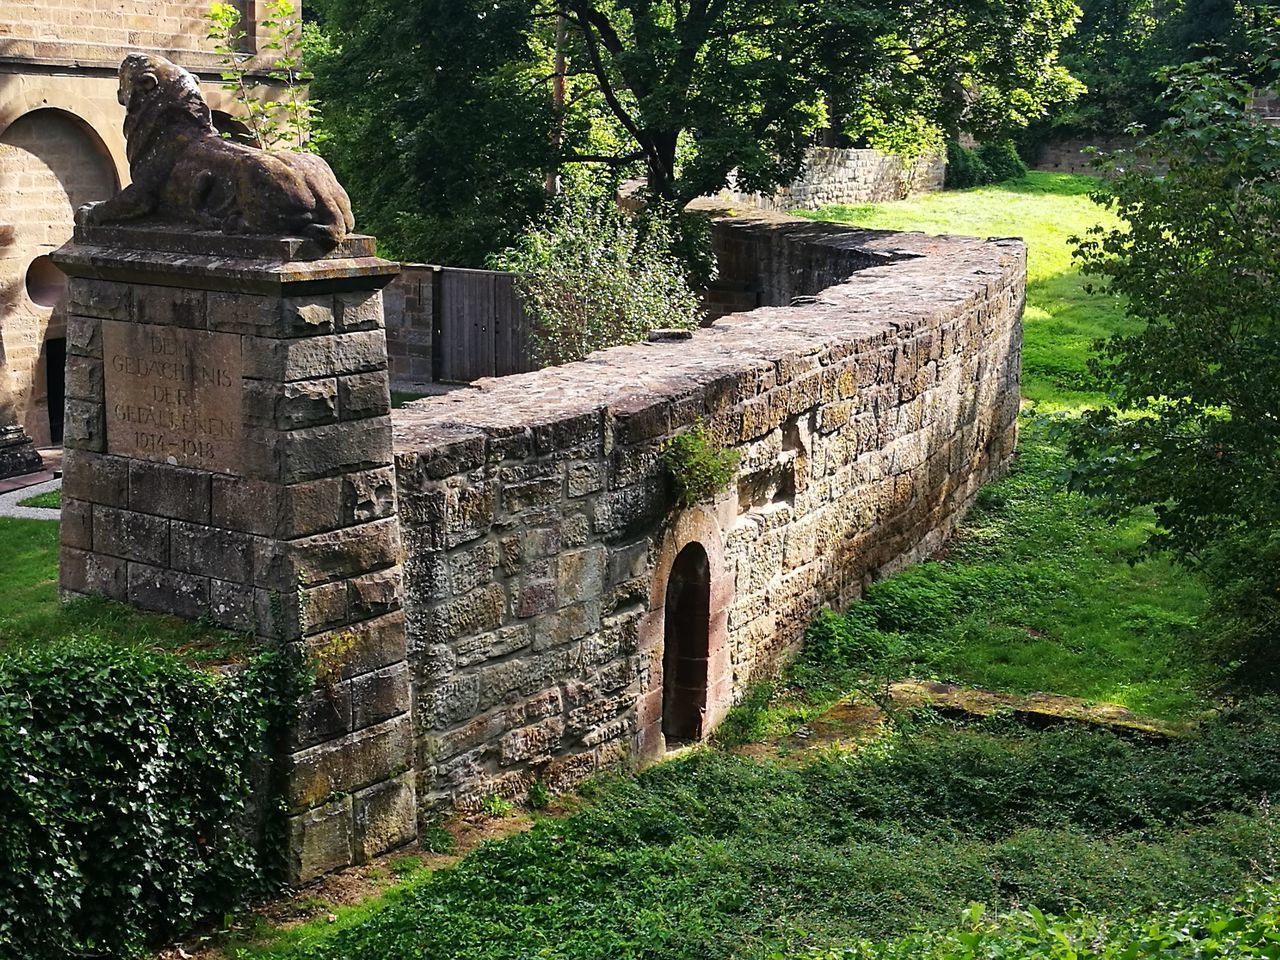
x=832, y=175
x=409, y=314
x=562, y=615
x=1077, y=155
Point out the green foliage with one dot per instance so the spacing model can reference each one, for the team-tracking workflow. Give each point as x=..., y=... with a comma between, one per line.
x=539, y=796
x=273, y=124
x=132, y=795
x=497, y=806
x=1189, y=429
x=1247, y=927
x=717, y=856
x=438, y=121
x=594, y=276
x=699, y=468
x=51, y=500
x=990, y=163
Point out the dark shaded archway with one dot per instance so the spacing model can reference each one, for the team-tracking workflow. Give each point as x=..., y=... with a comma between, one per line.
x=686, y=645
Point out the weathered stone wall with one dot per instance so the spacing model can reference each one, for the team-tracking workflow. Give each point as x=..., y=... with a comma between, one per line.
x=539, y=529
x=833, y=175
x=1077, y=155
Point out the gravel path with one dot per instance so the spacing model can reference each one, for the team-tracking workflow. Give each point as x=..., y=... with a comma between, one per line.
x=9, y=502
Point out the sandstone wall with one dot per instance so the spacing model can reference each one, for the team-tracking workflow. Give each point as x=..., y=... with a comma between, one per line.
x=1077, y=155
x=833, y=175
x=539, y=529
x=408, y=303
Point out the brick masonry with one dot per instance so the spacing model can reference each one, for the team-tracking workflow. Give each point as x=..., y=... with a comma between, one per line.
x=869, y=399
x=229, y=456
x=833, y=175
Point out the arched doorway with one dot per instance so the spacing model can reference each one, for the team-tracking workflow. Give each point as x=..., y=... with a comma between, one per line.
x=51, y=162
x=686, y=645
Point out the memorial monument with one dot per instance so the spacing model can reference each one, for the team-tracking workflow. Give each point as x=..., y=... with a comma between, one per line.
x=228, y=439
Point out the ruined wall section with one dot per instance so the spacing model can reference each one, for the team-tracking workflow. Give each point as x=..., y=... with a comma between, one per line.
x=539, y=527
x=834, y=175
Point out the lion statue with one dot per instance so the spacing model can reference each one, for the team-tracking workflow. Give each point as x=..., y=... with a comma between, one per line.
x=183, y=170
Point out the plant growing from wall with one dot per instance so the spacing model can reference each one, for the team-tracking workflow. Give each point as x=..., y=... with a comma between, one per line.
x=285, y=123
x=699, y=468
x=594, y=276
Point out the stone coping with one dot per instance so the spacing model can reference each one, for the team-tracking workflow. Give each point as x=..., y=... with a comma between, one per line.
x=912, y=277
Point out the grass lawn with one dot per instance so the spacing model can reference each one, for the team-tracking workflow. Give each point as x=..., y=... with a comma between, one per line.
x=30, y=611
x=49, y=501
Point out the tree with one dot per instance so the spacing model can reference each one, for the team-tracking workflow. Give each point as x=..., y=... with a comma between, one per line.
x=1193, y=427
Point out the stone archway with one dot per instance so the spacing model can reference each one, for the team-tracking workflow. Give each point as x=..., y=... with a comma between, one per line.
x=686, y=645
x=687, y=684
x=51, y=162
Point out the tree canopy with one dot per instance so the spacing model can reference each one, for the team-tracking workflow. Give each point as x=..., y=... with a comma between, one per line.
x=444, y=119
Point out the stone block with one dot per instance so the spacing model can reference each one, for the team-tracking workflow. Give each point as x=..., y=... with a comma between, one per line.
x=385, y=817
x=194, y=548
x=364, y=395
x=476, y=611
x=84, y=378
x=168, y=491
x=357, y=760
x=100, y=299
x=155, y=588
x=320, y=841
x=84, y=337
x=168, y=306
x=469, y=512
x=565, y=625
x=231, y=605
x=131, y=536
x=93, y=573
x=580, y=575
x=369, y=495
x=531, y=743
x=379, y=695
x=286, y=565
x=324, y=451
x=247, y=506
x=76, y=529
x=491, y=646
x=535, y=598
x=359, y=311
x=443, y=704
x=323, y=715
x=84, y=426
x=303, y=403
x=365, y=646
x=374, y=594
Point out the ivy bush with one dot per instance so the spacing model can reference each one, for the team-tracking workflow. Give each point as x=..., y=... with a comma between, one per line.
x=594, y=276
x=698, y=467
x=990, y=163
x=125, y=785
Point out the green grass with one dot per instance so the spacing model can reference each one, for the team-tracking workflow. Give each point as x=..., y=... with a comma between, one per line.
x=50, y=500
x=1046, y=210
x=720, y=856
x=31, y=612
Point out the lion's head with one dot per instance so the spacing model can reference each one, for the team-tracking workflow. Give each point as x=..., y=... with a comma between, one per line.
x=157, y=94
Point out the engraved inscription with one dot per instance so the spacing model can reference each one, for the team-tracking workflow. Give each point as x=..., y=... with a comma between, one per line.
x=173, y=395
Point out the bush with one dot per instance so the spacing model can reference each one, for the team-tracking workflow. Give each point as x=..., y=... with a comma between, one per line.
x=593, y=276
x=698, y=468
x=990, y=163
x=125, y=786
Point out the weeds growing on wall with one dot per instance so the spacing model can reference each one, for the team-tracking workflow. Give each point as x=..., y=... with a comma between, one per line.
x=698, y=467
x=134, y=795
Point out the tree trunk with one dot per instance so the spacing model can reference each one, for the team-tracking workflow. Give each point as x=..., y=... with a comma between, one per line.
x=557, y=106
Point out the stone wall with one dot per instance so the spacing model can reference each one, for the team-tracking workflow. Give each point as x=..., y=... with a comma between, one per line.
x=546, y=571
x=833, y=175
x=1076, y=155
x=408, y=306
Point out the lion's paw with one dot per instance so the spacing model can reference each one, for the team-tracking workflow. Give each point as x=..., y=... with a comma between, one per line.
x=87, y=214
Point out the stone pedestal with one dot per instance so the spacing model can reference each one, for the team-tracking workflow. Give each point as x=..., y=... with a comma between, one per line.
x=18, y=454
x=228, y=456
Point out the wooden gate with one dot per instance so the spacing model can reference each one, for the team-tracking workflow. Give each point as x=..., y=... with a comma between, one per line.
x=481, y=328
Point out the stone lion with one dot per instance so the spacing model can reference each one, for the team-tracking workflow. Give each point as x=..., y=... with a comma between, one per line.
x=183, y=171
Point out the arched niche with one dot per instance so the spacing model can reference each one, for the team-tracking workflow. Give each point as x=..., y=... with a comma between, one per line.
x=686, y=645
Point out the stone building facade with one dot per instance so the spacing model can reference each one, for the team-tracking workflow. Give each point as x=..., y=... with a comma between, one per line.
x=61, y=145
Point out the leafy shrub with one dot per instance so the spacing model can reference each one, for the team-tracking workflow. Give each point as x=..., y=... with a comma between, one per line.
x=125, y=786
x=594, y=276
x=991, y=163
x=1248, y=927
x=965, y=168
x=697, y=466
x=1002, y=160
